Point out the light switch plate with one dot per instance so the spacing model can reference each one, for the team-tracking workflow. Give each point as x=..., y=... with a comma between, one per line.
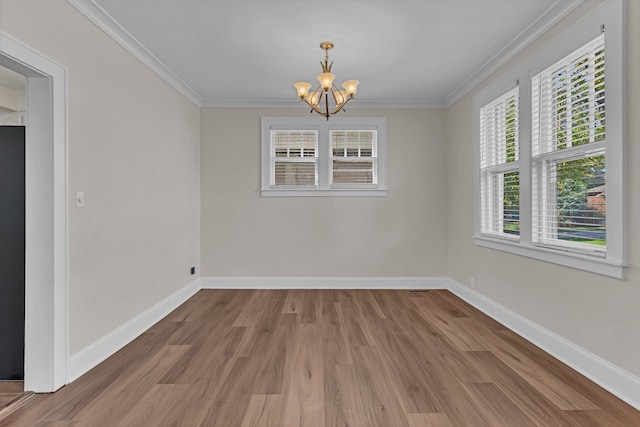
x=79, y=199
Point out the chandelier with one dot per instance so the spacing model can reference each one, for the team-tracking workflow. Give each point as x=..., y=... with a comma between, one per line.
x=327, y=99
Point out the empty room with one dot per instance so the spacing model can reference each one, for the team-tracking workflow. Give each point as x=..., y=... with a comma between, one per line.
x=351, y=213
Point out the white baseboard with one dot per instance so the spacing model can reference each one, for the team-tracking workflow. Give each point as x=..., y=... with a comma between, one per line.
x=623, y=384
x=617, y=381
x=82, y=361
x=325, y=282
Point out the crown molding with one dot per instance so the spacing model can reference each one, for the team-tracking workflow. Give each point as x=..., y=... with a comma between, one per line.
x=113, y=29
x=391, y=104
x=249, y=103
x=548, y=19
x=297, y=104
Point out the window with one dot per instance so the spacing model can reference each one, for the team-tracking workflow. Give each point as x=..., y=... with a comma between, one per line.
x=499, y=166
x=354, y=157
x=308, y=156
x=294, y=158
x=549, y=143
x=569, y=152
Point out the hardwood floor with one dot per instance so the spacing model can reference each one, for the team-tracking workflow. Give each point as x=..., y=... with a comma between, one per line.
x=12, y=397
x=9, y=392
x=328, y=358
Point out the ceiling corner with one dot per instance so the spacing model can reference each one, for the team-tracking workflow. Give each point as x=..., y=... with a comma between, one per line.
x=113, y=29
x=554, y=14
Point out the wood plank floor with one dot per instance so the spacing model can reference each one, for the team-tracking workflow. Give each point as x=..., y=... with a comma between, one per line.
x=328, y=358
x=10, y=391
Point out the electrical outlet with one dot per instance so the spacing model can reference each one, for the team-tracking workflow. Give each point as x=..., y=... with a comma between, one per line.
x=472, y=282
x=193, y=270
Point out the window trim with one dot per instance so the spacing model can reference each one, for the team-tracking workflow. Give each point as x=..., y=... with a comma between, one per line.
x=611, y=17
x=373, y=158
x=273, y=159
x=497, y=167
x=324, y=159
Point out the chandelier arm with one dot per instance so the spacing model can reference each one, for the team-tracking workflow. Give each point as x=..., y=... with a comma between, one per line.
x=313, y=108
x=333, y=86
x=344, y=97
x=342, y=106
x=326, y=113
x=319, y=91
x=345, y=103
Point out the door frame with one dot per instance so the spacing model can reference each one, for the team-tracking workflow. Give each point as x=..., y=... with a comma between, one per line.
x=46, y=217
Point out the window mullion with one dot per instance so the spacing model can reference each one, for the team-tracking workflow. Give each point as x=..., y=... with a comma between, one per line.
x=525, y=109
x=324, y=159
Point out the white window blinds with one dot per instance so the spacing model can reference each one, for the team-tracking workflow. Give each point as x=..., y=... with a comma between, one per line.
x=354, y=157
x=306, y=156
x=499, y=167
x=568, y=149
x=294, y=155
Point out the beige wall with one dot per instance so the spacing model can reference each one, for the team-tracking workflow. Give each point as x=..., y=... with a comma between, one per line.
x=597, y=313
x=8, y=99
x=244, y=234
x=136, y=148
x=133, y=150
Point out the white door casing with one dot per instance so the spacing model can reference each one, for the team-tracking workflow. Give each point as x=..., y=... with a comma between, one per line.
x=46, y=317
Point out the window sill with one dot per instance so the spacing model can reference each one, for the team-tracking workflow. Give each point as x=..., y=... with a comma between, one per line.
x=334, y=192
x=589, y=263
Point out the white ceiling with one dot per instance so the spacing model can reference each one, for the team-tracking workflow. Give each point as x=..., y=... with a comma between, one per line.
x=404, y=52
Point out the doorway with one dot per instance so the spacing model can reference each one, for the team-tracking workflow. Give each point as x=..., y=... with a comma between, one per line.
x=12, y=250
x=45, y=152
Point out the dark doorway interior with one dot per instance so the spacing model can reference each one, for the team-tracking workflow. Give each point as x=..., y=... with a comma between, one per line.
x=12, y=252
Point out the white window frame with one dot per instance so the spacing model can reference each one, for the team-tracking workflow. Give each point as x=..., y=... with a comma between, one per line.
x=325, y=156
x=494, y=206
x=545, y=158
x=609, y=17
x=273, y=159
x=373, y=158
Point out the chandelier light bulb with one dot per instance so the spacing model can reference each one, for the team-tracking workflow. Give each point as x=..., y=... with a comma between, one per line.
x=302, y=88
x=313, y=98
x=326, y=80
x=351, y=86
x=340, y=96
